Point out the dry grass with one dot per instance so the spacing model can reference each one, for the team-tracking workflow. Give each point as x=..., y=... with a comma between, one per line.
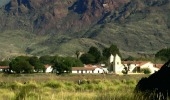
x=52, y=87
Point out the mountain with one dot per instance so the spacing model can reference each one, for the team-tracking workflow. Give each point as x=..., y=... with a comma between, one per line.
x=41, y=27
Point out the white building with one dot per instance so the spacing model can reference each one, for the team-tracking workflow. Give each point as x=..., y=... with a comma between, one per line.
x=117, y=66
x=89, y=69
x=48, y=68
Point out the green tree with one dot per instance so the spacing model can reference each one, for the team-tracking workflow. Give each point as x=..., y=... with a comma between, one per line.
x=96, y=53
x=64, y=64
x=87, y=58
x=4, y=63
x=130, y=58
x=46, y=59
x=163, y=54
x=20, y=65
x=106, y=53
x=113, y=49
x=38, y=66
x=33, y=60
x=77, y=54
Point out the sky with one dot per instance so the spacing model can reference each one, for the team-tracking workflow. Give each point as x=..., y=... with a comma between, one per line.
x=3, y=2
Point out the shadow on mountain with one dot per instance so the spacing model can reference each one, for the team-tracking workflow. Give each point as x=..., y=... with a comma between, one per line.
x=79, y=7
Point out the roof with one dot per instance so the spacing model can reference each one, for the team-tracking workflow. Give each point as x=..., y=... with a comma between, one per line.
x=95, y=66
x=135, y=62
x=47, y=65
x=4, y=67
x=158, y=65
x=87, y=67
x=84, y=68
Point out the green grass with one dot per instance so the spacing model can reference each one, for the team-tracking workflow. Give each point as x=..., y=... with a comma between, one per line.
x=15, y=43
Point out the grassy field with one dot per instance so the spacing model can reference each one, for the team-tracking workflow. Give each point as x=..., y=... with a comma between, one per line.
x=67, y=87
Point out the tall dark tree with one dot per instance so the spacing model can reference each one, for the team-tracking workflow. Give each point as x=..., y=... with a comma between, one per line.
x=33, y=60
x=77, y=54
x=87, y=58
x=96, y=53
x=163, y=54
x=46, y=59
x=4, y=63
x=113, y=49
x=19, y=65
x=64, y=64
x=38, y=66
x=106, y=53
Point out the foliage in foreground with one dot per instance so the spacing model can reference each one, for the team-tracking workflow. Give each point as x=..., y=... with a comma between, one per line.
x=99, y=89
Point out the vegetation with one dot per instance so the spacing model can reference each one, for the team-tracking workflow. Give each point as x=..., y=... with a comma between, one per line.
x=4, y=63
x=146, y=70
x=163, y=54
x=48, y=86
x=133, y=27
x=29, y=64
x=21, y=64
x=63, y=65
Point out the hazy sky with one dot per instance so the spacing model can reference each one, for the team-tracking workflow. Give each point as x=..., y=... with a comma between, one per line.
x=3, y=2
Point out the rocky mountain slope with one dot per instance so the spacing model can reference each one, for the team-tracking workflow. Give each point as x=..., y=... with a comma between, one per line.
x=39, y=27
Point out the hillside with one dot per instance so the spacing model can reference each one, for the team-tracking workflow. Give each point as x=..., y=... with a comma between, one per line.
x=40, y=27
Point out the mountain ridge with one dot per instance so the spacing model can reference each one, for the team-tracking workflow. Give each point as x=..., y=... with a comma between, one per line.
x=70, y=25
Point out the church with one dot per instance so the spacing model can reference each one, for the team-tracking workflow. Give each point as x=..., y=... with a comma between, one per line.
x=133, y=67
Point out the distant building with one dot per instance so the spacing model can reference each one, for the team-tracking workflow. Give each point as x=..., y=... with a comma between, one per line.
x=89, y=69
x=48, y=68
x=4, y=68
x=117, y=66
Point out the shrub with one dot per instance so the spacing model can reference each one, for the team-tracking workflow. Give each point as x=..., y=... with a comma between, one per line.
x=146, y=70
x=54, y=84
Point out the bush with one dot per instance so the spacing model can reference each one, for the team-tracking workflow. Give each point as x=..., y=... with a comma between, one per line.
x=146, y=70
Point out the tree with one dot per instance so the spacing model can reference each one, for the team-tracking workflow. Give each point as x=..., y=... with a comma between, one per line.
x=163, y=54
x=46, y=59
x=64, y=64
x=126, y=68
x=33, y=60
x=20, y=64
x=4, y=63
x=77, y=54
x=129, y=58
x=106, y=53
x=96, y=53
x=38, y=66
x=87, y=58
x=113, y=49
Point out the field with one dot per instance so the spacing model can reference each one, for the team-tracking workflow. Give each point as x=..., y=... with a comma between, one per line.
x=68, y=87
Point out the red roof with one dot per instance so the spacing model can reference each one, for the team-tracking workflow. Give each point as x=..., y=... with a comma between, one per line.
x=83, y=68
x=158, y=65
x=4, y=67
x=134, y=62
x=46, y=66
